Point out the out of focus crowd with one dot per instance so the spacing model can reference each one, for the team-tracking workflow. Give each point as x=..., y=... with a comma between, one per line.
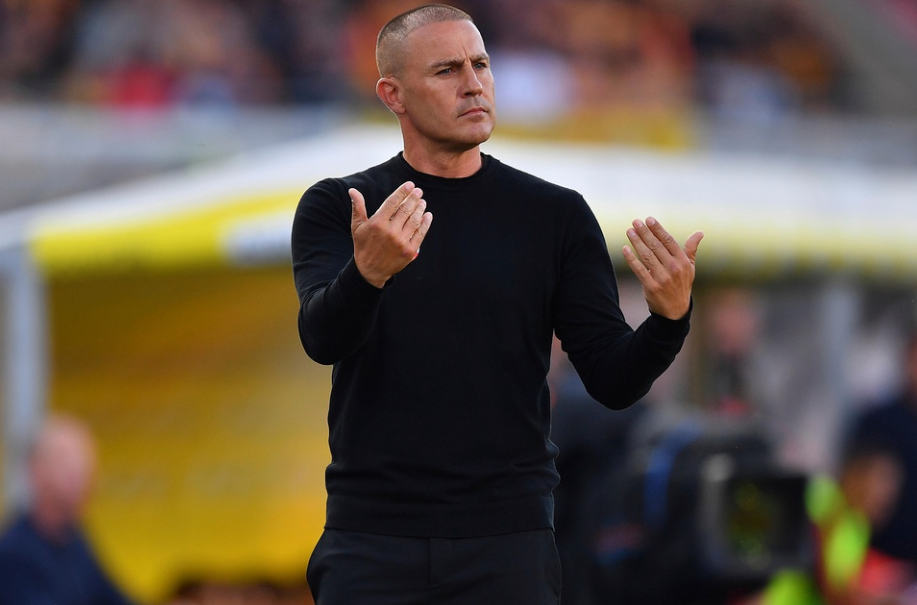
x=709, y=507
x=759, y=58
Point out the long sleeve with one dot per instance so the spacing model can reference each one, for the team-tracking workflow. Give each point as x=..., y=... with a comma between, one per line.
x=337, y=306
x=617, y=364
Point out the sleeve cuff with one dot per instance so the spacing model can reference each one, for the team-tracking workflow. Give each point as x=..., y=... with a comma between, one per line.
x=663, y=328
x=354, y=284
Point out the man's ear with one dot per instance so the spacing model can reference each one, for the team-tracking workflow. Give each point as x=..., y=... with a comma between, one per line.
x=389, y=92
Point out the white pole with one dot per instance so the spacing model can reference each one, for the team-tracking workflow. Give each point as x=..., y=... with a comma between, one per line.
x=841, y=305
x=24, y=370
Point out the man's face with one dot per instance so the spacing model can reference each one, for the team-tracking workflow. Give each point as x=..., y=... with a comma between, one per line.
x=63, y=469
x=446, y=85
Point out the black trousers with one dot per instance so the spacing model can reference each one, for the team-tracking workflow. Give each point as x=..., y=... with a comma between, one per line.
x=355, y=568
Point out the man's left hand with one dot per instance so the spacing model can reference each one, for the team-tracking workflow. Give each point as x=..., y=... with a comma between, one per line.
x=664, y=268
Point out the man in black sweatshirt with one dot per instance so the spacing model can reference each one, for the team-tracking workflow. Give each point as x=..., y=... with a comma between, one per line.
x=441, y=478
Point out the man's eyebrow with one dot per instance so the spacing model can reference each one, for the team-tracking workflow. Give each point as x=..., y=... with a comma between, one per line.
x=456, y=61
x=446, y=63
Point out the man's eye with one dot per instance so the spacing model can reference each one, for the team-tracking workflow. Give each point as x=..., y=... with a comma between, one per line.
x=445, y=71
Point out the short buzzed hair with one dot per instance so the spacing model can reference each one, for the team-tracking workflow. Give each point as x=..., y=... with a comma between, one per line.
x=396, y=31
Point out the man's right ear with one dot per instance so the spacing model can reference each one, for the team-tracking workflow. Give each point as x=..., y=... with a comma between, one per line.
x=388, y=91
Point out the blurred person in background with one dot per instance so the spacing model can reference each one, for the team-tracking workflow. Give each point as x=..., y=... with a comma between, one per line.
x=644, y=59
x=853, y=570
x=891, y=427
x=844, y=510
x=440, y=485
x=136, y=54
x=36, y=47
x=307, y=43
x=732, y=336
x=45, y=559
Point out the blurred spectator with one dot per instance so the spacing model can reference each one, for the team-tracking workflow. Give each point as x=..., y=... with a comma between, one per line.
x=760, y=62
x=849, y=570
x=117, y=59
x=625, y=54
x=44, y=557
x=732, y=335
x=303, y=41
x=527, y=55
x=359, y=37
x=753, y=60
x=746, y=376
x=891, y=427
x=132, y=53
x=35, y=44
x=870, y=483
x=736, y=79
x=804, y=58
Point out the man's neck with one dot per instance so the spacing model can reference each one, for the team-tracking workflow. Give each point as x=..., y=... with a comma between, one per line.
x=53, y=526
x=449, y=165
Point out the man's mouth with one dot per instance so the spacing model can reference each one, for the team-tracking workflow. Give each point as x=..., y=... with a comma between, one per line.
x=474, y=111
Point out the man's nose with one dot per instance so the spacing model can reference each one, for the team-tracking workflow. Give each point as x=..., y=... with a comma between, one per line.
x=473, y=86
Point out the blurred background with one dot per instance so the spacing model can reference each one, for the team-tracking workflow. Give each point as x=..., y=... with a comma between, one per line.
x=152, y=154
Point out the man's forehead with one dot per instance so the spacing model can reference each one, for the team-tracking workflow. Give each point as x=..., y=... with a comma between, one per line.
x=446, y=40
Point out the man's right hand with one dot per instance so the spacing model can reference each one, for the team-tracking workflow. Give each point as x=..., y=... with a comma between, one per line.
x=387, y=242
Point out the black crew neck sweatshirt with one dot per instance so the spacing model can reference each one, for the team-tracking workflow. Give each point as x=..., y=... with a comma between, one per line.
x=439, y=416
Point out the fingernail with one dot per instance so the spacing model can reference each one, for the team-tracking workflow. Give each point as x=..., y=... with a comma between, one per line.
x=650, y=221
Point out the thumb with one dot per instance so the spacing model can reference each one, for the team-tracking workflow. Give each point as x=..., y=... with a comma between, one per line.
x=358, y=216
x=692, y=244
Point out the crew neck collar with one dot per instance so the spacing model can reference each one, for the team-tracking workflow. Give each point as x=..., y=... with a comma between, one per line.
x=483, y=173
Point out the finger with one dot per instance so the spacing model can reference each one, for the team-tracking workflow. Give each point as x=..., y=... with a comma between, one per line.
x=645, y=245
x=664, y=237
x=422, y=230
x=391, y=203
x=406, y=209
x=692, y=243
x=639, y=269
x=358, y=204
x=414, y=220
